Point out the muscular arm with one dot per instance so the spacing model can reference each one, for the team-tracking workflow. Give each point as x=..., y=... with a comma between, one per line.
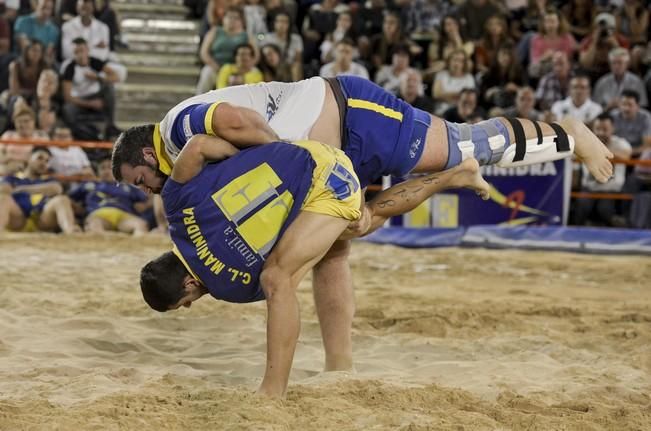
x=69, y=98
x=110, y=74
x=199, y=150
x=240, y=126
x=50, y=188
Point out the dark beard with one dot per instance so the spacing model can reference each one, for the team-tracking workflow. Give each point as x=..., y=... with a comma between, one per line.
x=158, y=173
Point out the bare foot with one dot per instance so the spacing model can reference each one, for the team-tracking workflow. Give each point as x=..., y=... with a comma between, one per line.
x=590, y=150
x=467, y=175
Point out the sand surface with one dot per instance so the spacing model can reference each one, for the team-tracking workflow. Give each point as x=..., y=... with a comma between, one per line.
x=445, y=339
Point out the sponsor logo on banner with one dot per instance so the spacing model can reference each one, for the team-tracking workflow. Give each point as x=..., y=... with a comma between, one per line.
x=526, y=195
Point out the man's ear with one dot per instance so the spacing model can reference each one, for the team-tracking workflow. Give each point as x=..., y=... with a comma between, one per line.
x=150, y=156
x=191, y=284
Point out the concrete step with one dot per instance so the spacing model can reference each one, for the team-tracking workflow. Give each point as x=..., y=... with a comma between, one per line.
x=161, y=48
x=165, y=44
x=140, y=114
x=163, y=95
x=129, y=59
x=177, y=75
x=171, y=39
x=163, y=26
x=153, y=3
x=124, y=8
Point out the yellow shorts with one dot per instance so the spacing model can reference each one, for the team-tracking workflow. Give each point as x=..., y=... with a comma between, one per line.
x=31, y=224
x=113, y=216
x=335, y=187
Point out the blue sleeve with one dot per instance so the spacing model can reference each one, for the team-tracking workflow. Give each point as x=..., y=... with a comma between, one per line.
x=11, y=180
x=79, y=193
x=137, y=195
x=118, y=191
x=192, y=120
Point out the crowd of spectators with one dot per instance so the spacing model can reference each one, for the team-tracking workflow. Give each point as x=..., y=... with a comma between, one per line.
x=464, y=60
x=57, y=59
x=57, y=70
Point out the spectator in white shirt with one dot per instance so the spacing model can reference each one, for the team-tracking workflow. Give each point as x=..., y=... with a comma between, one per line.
x=96, y=34
x=578, y=104
x=389, y=76
x=87, y=89
x=343, y=63
x=450, y=81
x=603, y=211
x=70, y=160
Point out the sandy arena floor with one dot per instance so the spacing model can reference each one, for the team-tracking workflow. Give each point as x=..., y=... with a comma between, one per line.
x=445, y=339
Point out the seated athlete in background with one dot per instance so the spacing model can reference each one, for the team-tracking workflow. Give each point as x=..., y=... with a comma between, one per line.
x=240, y=227
x=381, y=134
x=111, y=206
x=32, y=200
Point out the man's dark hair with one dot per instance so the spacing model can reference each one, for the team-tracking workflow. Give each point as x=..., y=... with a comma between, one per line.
x=604, y=116
x=631, y=94
x=244, y=45
x=581, y=74
x=401, y=48
x=345, y=41
x=128, y=148
x=161, y=281
x=469, y=90
x=79, y=41
x=43, y=149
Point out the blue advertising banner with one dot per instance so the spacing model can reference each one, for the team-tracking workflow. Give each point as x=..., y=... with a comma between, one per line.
x=528, y=195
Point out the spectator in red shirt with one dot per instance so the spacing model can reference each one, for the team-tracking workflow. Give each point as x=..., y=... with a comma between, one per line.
x=553, y=36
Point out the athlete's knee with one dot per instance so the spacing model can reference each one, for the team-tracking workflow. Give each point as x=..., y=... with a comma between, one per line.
x=5, y=189
x=59, y=202
x=140, y=225
x=274, y=279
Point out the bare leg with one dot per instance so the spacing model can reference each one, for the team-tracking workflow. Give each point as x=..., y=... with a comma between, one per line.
x=58, y=213
x=11, y=216
x=587, y=146
x=133, y=225
x=292, y=257
x=406, y=196
x=96, y=224
x=335, y=305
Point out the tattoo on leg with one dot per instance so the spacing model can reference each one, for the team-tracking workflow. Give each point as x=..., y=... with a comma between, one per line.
x=430, y=179
x=386, y=203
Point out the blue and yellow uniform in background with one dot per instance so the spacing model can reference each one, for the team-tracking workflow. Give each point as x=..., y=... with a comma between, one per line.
x=31, y=204
x=226, y=220
x=109, y=201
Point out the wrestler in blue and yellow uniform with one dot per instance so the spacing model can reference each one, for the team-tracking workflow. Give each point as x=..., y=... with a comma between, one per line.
x=225, y=221
x=381, y=134
x=31, y=204
x=111, y=202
